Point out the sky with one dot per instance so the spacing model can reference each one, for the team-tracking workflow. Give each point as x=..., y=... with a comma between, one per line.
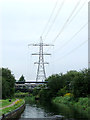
x=22, y=22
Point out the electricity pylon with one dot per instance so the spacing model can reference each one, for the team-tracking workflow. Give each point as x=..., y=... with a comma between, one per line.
x=41, y=74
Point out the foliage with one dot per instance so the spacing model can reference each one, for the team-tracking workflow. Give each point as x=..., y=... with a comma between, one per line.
x=72, y=82
x=45, y=95
x=35, y=91
x=68, y=77
x=62, y=91
x=63, y=100
x=21, y=94
x=21, y=79
x=15, y=106
x=8, y=81
x=81, y=103
x=80, y=84
x=55, y=83
x=68, y=94
x=30, y=99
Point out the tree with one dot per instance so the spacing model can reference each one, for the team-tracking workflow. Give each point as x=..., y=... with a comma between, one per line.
x=8, y=83
x=21, y=79
x=55, y=83
x=81, y=84
x=69, y=77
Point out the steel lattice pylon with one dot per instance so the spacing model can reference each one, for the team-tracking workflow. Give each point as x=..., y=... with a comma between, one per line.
x=41, y=74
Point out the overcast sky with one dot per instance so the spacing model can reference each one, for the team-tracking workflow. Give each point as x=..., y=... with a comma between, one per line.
x=23, y=21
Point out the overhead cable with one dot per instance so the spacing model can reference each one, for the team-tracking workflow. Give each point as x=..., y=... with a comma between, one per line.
x=67, y=42
x=76, y=48
x=67, y=21
x=78, y=10
x=58, y=11
x=49, y=18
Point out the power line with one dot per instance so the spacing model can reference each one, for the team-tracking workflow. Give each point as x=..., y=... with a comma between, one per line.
x=73, y=36
x=67, y=20
x=72, y=50
x=55, y=18
x=78, y=10
x=49, y=18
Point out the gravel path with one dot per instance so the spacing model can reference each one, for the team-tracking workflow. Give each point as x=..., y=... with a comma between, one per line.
x=9, y=105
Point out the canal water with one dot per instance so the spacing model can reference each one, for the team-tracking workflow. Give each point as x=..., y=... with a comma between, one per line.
x=52, y=111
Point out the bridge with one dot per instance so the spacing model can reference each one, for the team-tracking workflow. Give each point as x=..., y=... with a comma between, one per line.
x=20, y=82
x=28, y=85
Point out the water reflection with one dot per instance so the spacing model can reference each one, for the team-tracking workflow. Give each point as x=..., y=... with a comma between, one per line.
x=66, y=111
x=33, y=111
x=51, y=110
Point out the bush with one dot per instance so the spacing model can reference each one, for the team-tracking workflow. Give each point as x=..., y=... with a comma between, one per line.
x=68, y=94
x=35, y=91
x=82, y=102
x=62, y=91
x=45, y=95
x=8, y=82
x=62, y=100
x=55, y=83
x=80, y=85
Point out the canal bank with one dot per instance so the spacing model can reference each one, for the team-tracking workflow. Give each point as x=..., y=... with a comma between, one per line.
x=81, y=106
x=13, y=110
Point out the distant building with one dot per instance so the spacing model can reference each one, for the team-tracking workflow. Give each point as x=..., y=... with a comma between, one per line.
x=24, y=86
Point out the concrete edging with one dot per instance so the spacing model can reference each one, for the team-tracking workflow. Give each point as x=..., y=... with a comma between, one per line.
x=15, y=113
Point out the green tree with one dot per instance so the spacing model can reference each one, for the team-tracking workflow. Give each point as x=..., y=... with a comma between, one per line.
x=80, y=84
x=55, y=83
x=8, y=83
x=21, y=79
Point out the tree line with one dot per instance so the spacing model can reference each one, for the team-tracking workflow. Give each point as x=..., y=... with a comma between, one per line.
x=73, y=82
x=8, y=83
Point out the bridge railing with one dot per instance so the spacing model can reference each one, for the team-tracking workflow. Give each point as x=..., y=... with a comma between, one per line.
x=20, y=82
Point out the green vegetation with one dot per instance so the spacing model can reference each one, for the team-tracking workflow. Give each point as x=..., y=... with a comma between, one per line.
x=8, y=81
x=21, y=79
x=21, y=94
x=6, y=102
x=30, y=99
x=70, y=88
x=15, y=106
x=81, y=103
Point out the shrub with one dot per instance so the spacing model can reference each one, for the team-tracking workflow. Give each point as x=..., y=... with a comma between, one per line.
x=8, y=82
x=62, y=91
x=68, y=94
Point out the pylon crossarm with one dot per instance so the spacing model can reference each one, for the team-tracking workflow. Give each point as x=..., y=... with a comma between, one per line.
x=39, y=63
x=33, y=44
x=40, y=54
x=47, y=44
x=40, y=44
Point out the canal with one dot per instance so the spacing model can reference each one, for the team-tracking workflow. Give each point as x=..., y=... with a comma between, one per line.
x=52, y=111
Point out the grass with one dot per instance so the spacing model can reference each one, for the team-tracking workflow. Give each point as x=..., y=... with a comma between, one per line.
x=15, y=106
x=6, y=102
